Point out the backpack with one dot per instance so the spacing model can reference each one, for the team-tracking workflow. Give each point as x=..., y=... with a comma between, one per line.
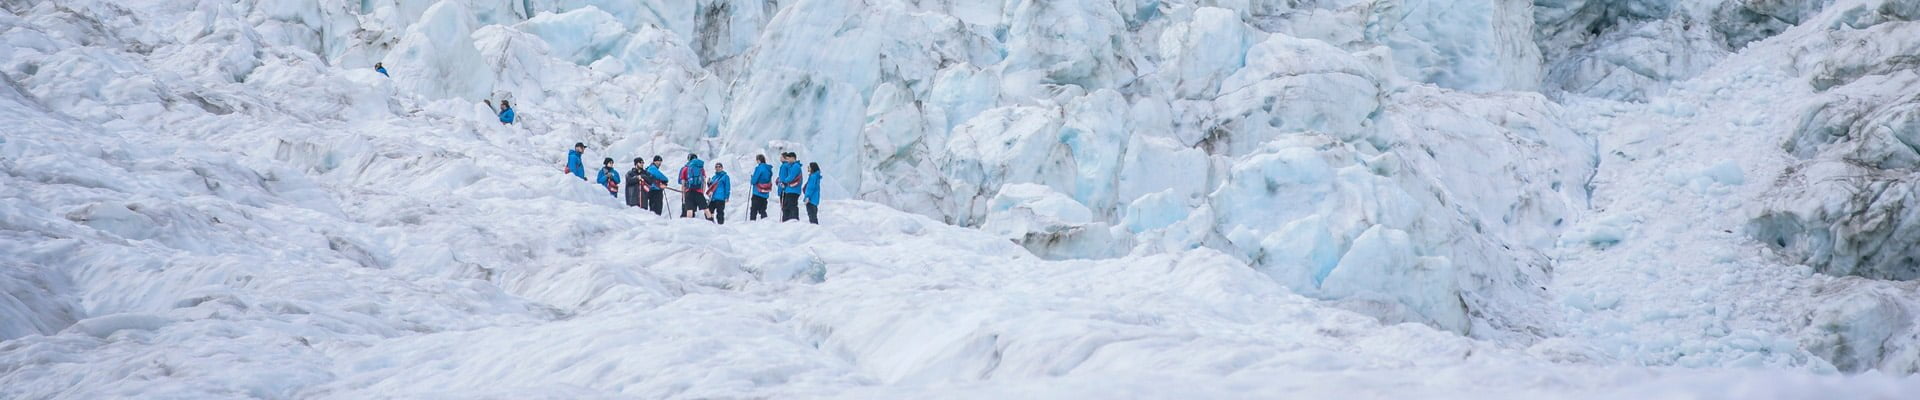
x=695, y=174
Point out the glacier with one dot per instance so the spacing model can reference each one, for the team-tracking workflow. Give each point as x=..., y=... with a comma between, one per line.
x=1025, y=198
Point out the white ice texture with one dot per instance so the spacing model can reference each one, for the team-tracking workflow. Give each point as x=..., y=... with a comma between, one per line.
x=1024, y=199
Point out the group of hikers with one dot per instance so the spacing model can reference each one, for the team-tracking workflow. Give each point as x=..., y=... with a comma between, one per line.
x=703, y=197
x=706, y=197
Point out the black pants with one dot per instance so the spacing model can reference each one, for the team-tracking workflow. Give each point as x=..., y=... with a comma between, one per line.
x=719, y=208
x=789, y=206
x=693, y=203
x=757, y=209
x=813, y=213
x=657, y=201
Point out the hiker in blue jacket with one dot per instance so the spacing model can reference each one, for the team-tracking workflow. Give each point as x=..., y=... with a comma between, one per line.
x=813, y=193
x=693, y=181
x=382, y=69
x=718, y=191
x=573, y=161
x=762, y=181
x=506, y=113
x=610, y=178
x=789, y=187
x=656, y=189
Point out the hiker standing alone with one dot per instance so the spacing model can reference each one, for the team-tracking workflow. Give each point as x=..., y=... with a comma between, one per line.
x=574, y=166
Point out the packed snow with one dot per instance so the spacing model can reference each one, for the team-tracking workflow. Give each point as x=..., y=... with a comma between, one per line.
x=1024, y=198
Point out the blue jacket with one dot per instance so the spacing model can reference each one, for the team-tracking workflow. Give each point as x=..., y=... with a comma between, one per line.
x=813, y=189
x=506, y=116
x=574, y=165
x=761, y=174
x=722, y=186
x=654, y=171
x=789, y=178
x=610, y=174
x=381, y=70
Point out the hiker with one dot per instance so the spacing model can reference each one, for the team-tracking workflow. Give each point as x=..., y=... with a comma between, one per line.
x=762, y=181
x=610, y=178
x=573, y=161
x=718, y=192
x=382, y=69
x=693, y=181
x=506, y=113
x=656, y=192
x=789, y=187
x=636, y=192
x=813, y=193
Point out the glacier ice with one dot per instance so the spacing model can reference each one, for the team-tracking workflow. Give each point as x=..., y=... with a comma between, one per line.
x=438, y=56
x=1168, y=198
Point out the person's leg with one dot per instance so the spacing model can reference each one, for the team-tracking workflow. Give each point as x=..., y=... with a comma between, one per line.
x=758, y=209
x=658, y=199
x=813, y=213
x=686, y=205
x=789, y=207
x=719, y=212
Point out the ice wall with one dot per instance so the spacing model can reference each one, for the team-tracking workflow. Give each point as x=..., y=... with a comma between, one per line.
x=936, y=107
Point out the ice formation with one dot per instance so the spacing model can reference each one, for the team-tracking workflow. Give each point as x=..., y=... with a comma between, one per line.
x=1026, y=198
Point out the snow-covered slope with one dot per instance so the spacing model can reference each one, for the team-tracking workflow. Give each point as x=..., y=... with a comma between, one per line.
x=1027, y=198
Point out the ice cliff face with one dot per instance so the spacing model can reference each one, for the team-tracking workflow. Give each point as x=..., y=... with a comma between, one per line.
x=1706, y=183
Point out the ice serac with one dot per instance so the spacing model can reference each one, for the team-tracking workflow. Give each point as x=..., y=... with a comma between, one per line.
x=1291, y=85
x=1068, y=42
x=1842, y=219
x=1472, y=45
x=1201, y=52
x=437, y=57
x=1853, y=207
x=583, y=35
